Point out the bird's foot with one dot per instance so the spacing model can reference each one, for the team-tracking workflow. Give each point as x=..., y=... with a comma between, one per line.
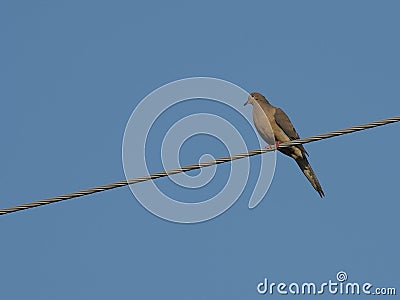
x=275, y=147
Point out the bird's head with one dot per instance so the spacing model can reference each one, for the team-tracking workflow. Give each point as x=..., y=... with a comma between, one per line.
x=255, y=97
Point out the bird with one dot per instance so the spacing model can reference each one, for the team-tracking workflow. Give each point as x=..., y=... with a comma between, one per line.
x=282, y=131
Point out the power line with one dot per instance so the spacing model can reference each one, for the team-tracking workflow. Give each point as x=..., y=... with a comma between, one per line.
x=196, y=166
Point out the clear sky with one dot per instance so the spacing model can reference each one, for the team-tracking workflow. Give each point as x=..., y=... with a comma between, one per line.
x=71, y=73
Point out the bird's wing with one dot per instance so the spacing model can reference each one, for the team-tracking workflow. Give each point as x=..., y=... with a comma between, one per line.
x=283, y=121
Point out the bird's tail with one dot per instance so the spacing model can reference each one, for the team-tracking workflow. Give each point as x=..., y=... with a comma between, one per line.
x=308, y=171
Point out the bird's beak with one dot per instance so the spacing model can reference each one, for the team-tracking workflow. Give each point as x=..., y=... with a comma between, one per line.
x=247, y=102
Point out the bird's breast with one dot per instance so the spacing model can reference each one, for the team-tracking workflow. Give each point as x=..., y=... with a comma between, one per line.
x=262, y=125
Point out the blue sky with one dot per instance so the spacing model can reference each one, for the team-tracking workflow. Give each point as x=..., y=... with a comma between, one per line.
x=73, y=71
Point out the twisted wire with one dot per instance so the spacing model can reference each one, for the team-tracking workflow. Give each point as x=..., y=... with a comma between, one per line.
x=197, y=166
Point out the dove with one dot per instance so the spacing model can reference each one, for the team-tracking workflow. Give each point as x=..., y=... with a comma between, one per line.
x=282, y=131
